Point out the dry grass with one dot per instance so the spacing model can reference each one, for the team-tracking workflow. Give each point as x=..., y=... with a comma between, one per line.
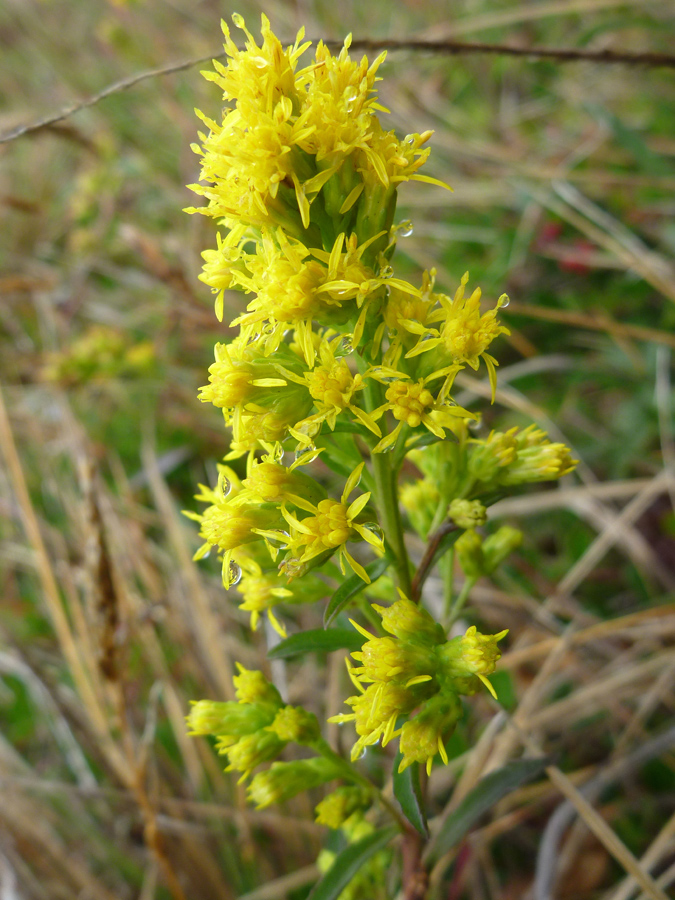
x=108, y=628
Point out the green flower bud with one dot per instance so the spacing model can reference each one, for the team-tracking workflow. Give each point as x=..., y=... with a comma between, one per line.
x=213, y=717
x=253, y=687
x=420, y=499
x=342, y=803
x=499, y=545
x=489, y=456
x=292, y=723
x=286, y=779
x=467, y=513
x=423, y=736
x=252, y=750
x=537, y=459
x=410, y=622
x=469, y=550
x=472, y=654
x=389, y=659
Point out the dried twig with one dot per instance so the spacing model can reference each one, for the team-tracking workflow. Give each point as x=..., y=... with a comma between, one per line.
x=440, y=48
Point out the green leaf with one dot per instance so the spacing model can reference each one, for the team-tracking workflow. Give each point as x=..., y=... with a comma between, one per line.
x=348, y=863
x=488, y=791
x=407, y=792
x=351, y=587
x=318, y=639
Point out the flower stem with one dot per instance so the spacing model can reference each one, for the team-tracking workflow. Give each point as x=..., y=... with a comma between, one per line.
x=458, y=605
x=386, y=496
x=350, y=773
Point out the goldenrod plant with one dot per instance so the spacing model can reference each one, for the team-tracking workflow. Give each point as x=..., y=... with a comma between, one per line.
x=341, y=366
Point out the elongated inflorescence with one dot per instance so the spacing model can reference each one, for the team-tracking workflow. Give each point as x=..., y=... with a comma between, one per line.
x=336, y=358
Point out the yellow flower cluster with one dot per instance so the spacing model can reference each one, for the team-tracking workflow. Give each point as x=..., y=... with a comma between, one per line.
x=416, y=669
x=335, y=357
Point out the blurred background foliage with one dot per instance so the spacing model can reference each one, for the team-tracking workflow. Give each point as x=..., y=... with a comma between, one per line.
x=563, y=179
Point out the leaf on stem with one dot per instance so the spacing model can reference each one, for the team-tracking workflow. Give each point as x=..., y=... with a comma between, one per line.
x=351, y=587
x=407, y=792
x=348, y=863
x=317, y=639
x=489, y=790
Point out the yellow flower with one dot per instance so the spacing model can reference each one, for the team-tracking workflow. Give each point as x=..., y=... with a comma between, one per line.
x=333, y=388
x=473, y=654
x=423, y=736
x=413, y=404
x=329, y=526
x=464, y=334
x=229, y=522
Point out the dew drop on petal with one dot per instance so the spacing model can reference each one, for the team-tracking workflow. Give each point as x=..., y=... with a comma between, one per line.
x=225, y=486
x=234, y=573
x=375, y=529
x=503, y=301
x=345, y=346
x=405, y=229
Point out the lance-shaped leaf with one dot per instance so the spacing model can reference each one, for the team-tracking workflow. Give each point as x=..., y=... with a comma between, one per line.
x=488, y=791
x=348, y=863
x=351, y=587
x=318, y=639
x=407, y=792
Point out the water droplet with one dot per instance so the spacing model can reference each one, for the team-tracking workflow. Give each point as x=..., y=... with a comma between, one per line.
x=268, y=328
x=351, y=96
x=503, y=301
x=224, y=485
x=449, y=402
x=405, y=228
x=386, y=272
x=280, y=543
x=292, y=567
x=233, y=574
x=278, y=453
x=388, y=448
x=345, y=346
x=375, y=529
x=260, y=62
x=409, y=139
x=362, y=754
x=476, y=425
x=307, y=453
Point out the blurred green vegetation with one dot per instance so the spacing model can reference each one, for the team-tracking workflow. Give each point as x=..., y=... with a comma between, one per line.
x=563, y=177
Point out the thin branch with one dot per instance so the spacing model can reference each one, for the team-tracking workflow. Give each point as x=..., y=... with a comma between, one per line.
x=440, y=48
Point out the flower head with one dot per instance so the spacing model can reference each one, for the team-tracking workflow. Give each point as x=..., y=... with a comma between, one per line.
x=423, y=736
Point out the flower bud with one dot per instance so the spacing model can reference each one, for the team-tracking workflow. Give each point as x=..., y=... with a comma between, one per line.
x=293, y=723
x=389, y=659
x=420, y=499
x=286, y=779
x=467, y=513
x=252, y=750
x=499, y=545
x=229, y=718
x=423, y=736
x=251, y=686
x=339, y=805
x=472, y=653
x=469, y=550
x=410, y=622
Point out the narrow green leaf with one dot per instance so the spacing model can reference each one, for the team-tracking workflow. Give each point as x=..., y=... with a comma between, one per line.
x=407, y=792
x=321, y=639
x=488, y=791
x=348, y=863
x=351, y=587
